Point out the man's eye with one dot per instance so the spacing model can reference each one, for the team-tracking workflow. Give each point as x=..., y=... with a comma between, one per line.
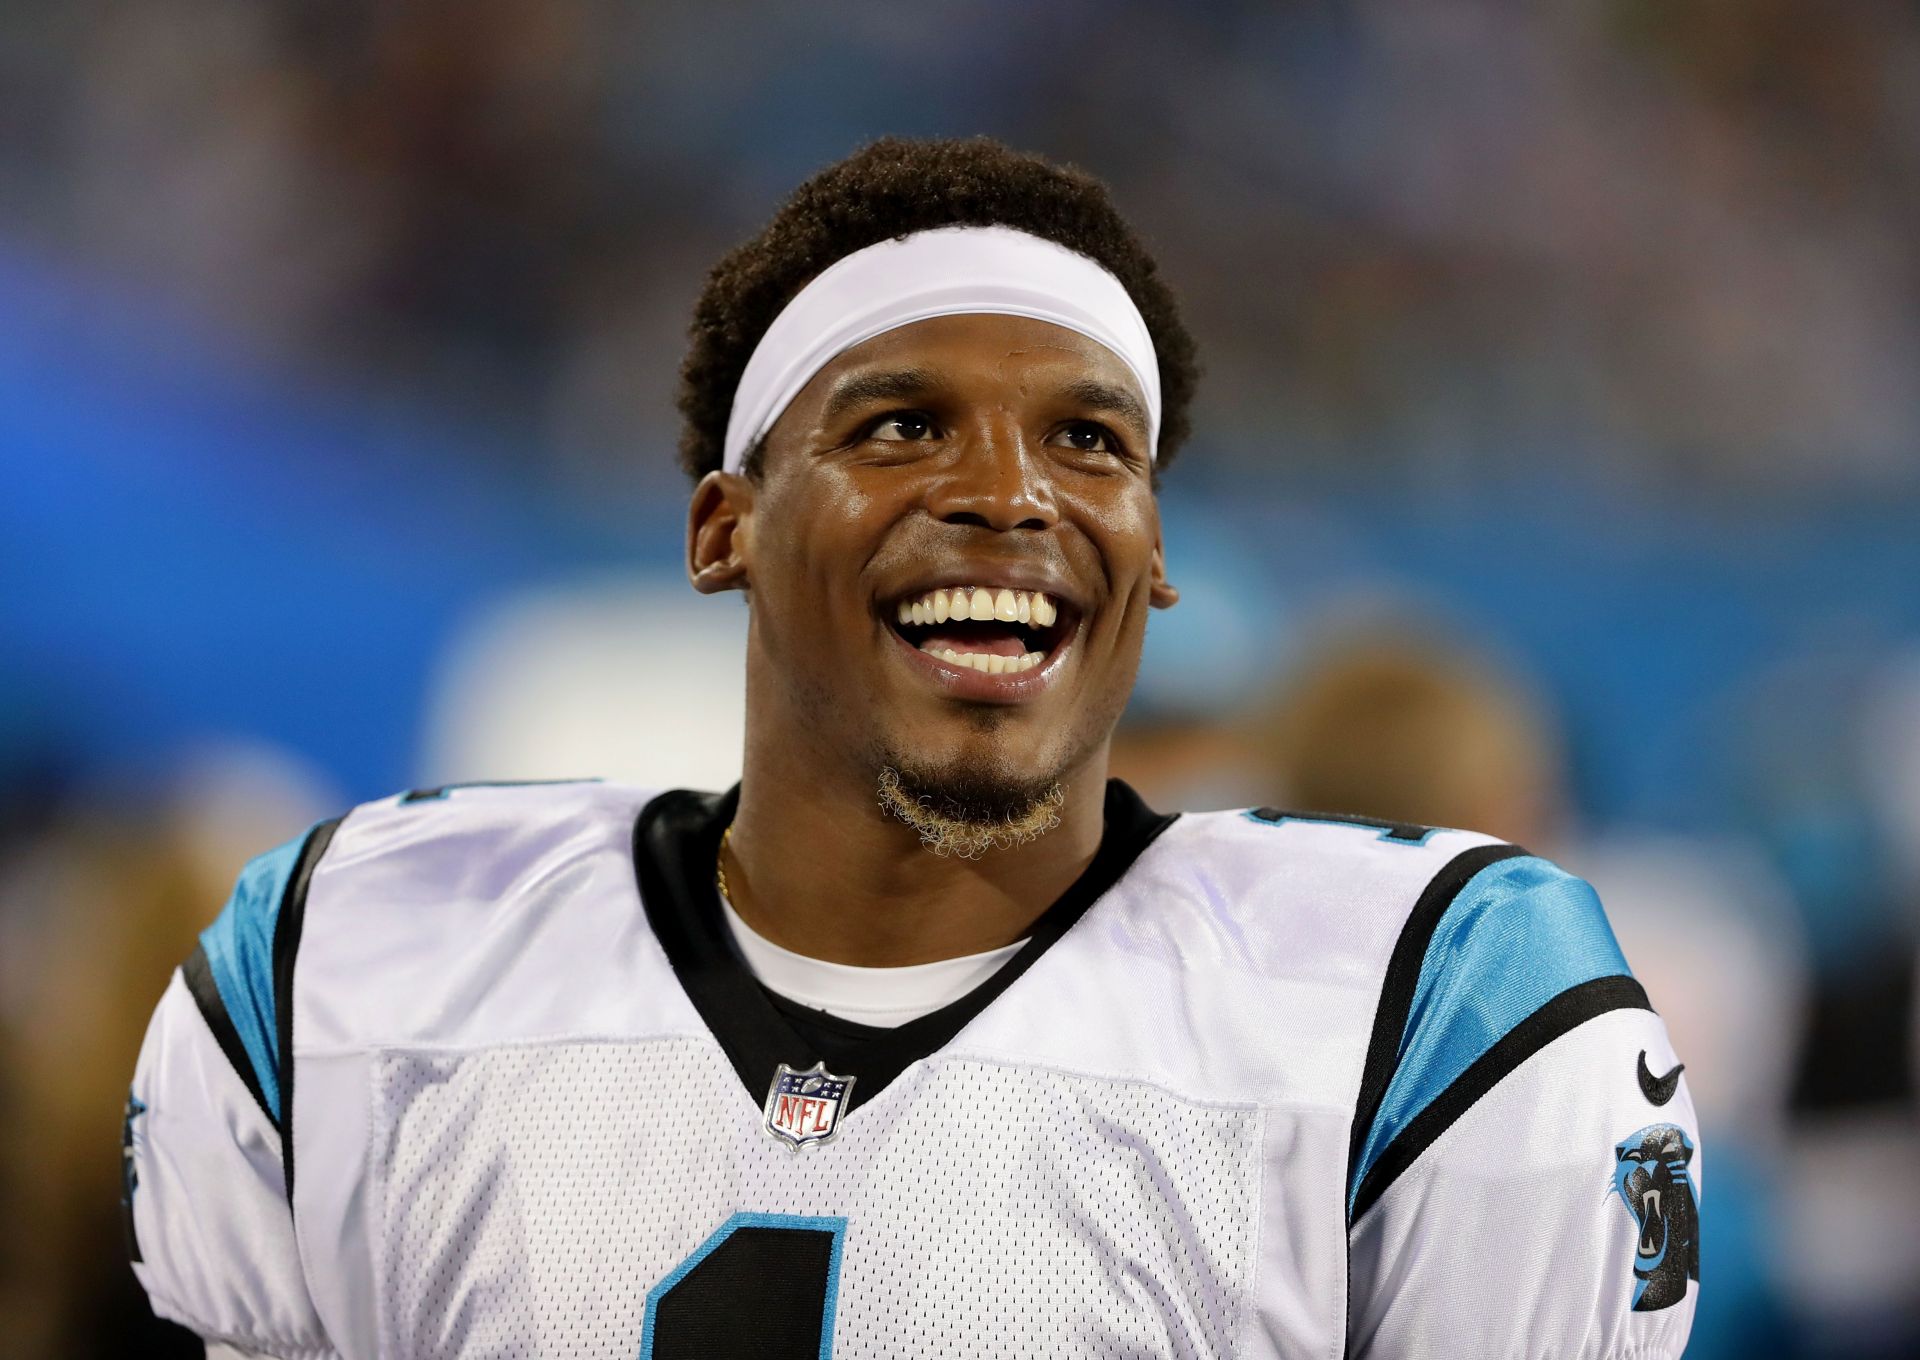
x=1087, y=437
x=903, y=425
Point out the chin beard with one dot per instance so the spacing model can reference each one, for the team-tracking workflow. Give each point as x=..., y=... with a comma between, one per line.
x=965, y=813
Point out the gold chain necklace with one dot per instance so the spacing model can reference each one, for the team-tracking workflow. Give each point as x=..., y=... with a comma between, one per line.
x=720, y=866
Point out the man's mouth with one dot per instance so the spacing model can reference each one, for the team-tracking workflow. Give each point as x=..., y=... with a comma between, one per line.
x=990, y=629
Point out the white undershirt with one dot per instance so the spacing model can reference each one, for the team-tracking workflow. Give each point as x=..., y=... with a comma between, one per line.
x=869, y=996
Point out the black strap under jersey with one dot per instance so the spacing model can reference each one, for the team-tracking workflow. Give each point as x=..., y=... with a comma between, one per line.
x=675, y=844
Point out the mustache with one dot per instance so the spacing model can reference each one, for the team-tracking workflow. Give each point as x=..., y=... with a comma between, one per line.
x=923, y=540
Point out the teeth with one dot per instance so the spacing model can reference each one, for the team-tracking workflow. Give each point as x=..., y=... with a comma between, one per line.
x=991, y=665
x=978, y=602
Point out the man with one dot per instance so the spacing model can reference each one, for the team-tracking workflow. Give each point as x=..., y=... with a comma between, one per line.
x=927, y=1039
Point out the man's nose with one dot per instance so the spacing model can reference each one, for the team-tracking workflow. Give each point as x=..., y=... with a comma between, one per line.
x=997, y=480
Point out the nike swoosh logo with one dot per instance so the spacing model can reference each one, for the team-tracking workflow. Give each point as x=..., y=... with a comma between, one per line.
x=1659, y=1090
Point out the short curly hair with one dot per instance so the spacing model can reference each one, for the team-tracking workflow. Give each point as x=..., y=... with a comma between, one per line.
x=889, y=189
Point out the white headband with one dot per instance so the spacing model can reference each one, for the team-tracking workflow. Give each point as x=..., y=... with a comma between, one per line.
x=945, y=272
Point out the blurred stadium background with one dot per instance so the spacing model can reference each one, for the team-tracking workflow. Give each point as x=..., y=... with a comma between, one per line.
x=1558, y=473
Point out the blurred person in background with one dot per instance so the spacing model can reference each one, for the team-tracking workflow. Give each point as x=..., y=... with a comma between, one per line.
x=100, y=889
x=1820, y=770
x=1890, y=736
x=1394, y=722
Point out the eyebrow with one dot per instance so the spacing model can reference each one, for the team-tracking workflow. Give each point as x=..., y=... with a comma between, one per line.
x=912, y=384
x=894, y=384
x=1099, y=396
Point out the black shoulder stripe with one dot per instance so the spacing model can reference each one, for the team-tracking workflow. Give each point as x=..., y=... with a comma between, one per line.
x=198, y=975
x=1571, y=1008
x=286, y=944
x=1411, y=833
x=1402, y=978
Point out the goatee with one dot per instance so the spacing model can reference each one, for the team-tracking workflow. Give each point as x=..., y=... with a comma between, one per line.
x=964, y=815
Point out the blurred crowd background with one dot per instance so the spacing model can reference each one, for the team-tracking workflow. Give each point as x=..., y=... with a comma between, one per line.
x=1557, y=474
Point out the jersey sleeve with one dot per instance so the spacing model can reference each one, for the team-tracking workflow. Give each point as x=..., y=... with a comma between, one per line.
x=1524, y=1177
x=210, y=1230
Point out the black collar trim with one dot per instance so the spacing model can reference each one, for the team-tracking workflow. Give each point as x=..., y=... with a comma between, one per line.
x=675, y=841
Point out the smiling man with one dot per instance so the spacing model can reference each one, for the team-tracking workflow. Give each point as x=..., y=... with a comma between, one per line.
x=928, y=1038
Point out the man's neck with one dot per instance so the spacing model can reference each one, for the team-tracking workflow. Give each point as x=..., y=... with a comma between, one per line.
x=823, y=872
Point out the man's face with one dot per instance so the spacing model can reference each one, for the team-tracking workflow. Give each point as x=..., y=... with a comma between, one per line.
x=994, y=460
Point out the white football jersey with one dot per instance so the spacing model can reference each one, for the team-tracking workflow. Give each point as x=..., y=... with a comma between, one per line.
x=478, y=1072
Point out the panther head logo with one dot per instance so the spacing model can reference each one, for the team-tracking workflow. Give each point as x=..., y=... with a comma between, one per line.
x=1651, y=1175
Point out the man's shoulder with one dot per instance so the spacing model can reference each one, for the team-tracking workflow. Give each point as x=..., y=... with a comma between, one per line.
x=1274, y=837
x=1231, y=929
x=1316, y=878
x=501, y=814
x=436, y=914
x=1314, y=881
x=1357, y=940
x=442, y=853
x=473, y=846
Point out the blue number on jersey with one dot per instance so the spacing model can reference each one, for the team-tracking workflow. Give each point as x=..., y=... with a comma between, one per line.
x=761, y=1288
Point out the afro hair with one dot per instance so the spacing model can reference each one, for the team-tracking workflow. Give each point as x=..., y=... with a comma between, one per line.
x=893, y=188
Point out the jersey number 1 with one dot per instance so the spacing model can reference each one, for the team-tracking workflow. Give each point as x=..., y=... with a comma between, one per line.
x=761, y=1288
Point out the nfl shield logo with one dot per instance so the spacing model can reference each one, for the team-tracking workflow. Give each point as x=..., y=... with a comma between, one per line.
x=805, y=1106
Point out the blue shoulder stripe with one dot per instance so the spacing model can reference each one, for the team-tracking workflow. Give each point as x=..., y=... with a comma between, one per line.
x=1516, y=935
x=239, y=952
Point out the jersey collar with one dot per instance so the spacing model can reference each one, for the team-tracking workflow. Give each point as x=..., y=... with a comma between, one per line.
x=675, y=841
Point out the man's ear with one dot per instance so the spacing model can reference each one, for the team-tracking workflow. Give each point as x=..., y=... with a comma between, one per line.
x=719, y=533
x=1161, y=593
